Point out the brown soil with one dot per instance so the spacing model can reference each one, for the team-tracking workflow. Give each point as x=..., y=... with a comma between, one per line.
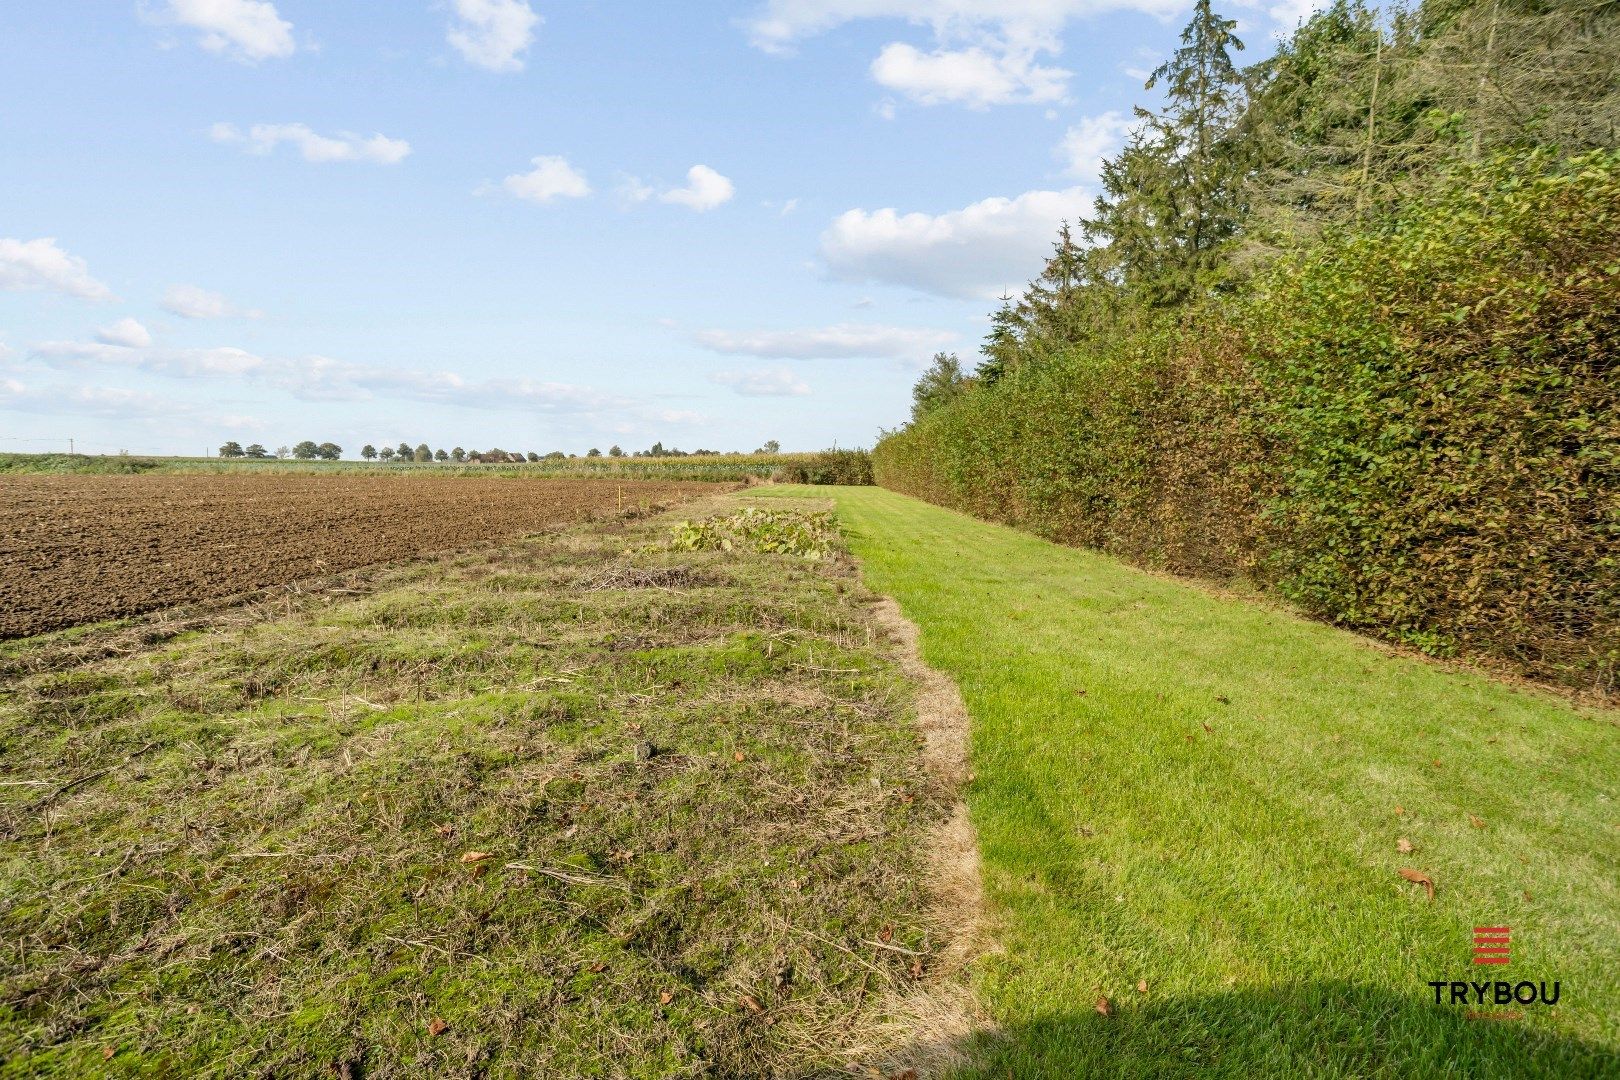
x=82, y=549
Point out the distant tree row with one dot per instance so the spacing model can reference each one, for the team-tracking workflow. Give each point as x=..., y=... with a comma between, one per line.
x=309, y=450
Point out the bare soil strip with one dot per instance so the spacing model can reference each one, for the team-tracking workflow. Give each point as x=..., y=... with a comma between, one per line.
x=81, y=549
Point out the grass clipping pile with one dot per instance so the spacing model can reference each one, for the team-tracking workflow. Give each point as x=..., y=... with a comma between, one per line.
x=505, y=811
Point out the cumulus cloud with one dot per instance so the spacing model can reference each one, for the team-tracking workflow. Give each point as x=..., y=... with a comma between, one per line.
x=493, y=34
x=191, y=302
x=780, y=23
x=180, y=363
x=321, y=378
x=976, y=77
x=976, y=252
x=248, y=30
x=705, y=189
x=41, y=266
x=986, y=52
x=125, y=332
x=1093, y=139
x=764, y=382
x=344, y=146
x=551, y=178
x=843, y=341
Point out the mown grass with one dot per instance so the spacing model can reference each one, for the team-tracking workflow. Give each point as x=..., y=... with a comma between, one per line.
x=1192, y=806
x=574, y=806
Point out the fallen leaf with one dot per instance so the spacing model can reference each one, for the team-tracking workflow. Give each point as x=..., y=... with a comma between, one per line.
x=752, y=1003
x=106, y=1053
x=1404, y=846
x=916, y=967
x=1209, y=729
x=1527, y=895
x=445, y=829
x=1418, y=877
x=1223, y=699
x=1436, y=763
x=739, y=755
x=665, y=997
x=904, y=1074
x=1400, y=810
x=437, y=1026
x=1105, y=1007
x=1476, y=822
x=474, y=856
x=598, y=967
x=1141, y=986
x=886, y=934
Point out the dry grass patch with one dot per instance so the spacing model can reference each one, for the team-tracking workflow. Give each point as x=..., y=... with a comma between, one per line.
x=468, y=817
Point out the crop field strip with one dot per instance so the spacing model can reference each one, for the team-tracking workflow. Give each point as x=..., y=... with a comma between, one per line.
x=575, y=804
x=80, y=549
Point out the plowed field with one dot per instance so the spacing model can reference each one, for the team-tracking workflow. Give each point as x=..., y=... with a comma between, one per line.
x=80, y=549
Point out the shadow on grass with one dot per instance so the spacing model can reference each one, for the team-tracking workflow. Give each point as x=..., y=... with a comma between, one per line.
x=1316, y=1029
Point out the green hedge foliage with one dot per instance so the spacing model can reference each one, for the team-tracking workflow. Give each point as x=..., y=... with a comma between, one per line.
x=1411, y=428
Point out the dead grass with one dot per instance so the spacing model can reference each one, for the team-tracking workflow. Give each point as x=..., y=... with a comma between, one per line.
x=568, y=806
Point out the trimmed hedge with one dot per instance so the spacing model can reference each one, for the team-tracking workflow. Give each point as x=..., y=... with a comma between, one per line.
x=1412, y=428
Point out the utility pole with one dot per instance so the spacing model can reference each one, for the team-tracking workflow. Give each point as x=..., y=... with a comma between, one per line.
x=70, y=446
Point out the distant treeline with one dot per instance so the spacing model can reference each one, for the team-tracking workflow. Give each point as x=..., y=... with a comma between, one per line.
x=1345, y=323
x=825, y=467
x=309, y=450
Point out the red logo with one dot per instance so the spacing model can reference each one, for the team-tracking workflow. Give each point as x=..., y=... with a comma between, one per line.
x=1491, y=944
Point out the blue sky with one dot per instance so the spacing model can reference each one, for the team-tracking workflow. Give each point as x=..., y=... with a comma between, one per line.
x=534, y=224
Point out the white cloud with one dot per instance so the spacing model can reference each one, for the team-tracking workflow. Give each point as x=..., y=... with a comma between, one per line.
x=844, y=341
x=780, y=23
x=705, y=189
x=127, y=333
x=321, y=378
x=986, y=51
x=344, y=146
x=975, y=77
x=972, y=253
x=1290, y=13
x=41, y=266
x=249, y=30
x=191, y=302
x=1093, y=139
x=180, y=363
x=493, y=34
x=765, y=382
x=551, y=178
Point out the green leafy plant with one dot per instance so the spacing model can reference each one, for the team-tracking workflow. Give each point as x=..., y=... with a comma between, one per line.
x=804, y=534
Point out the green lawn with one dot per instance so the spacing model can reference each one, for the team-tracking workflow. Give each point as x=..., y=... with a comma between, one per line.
x=1193, y=806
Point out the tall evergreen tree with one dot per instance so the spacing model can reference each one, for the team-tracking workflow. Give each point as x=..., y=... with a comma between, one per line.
x=1170, y=205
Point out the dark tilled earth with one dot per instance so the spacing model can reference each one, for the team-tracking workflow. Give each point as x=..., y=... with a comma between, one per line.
x=81, y=549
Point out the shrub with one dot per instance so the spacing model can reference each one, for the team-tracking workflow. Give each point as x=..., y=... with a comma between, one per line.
x=828, y=467
x=1412, y=427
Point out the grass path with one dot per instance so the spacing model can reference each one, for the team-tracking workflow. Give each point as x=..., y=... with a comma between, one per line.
x=1194, y=807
